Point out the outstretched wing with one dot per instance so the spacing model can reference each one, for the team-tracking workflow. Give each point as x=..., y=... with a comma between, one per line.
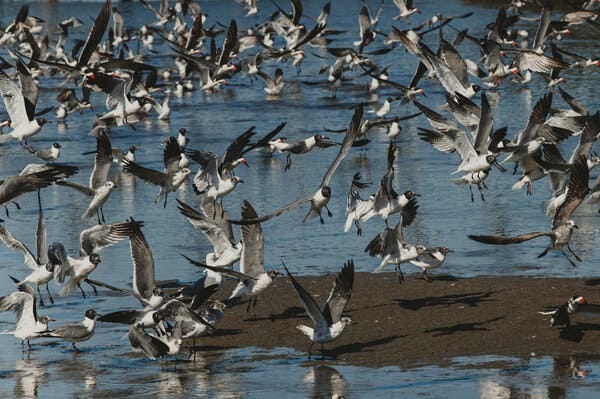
x=309, y=302
x=577, y=189
x=498, y=240
x=11, y=242
x=103, y=235
x=340, y=293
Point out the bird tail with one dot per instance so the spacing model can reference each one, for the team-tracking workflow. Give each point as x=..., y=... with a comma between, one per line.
x=306, y=330
x=519, y=184
x=459, y=181
x=349, y=221
x=4, y=138
x=87, y=214
x=68, y=288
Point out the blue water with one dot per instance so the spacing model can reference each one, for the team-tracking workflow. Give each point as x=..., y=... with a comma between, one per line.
x=446, y=216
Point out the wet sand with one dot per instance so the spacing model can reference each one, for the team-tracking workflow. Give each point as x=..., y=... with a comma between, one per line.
x=419, y=322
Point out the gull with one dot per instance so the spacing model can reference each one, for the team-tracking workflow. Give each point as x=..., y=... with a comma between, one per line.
x=99, y=187
x=406, y=9
x=23, y=304
x=252, y=275
x=562, y=225
x=43, y=265
x=91, y=241
x=383, y=109
x=154, y=346
x=304, y=146
x=431, y=258
x=35, y=179
x=119, y=156
x=328, y=321
x=273, y=86
x=20, y=101
x=170, y=179
x=214, y=224
x=75, y=332
x=47, y=155
x=391, y=246
x=358, y=209
x=320, y=198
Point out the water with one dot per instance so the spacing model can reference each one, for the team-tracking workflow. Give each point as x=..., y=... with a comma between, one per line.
x=446, y=216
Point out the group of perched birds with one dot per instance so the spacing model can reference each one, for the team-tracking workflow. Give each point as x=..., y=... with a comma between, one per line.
x=204, y=55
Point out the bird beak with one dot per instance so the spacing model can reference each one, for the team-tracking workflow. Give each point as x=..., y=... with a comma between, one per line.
x=246, y=163
x=576, y=227
x=49, y=319
x=115, y=186
x=241, y=181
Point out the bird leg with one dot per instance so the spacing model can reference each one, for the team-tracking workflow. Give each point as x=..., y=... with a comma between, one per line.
x=544, y=253
x=481, y=192
x=425, y=276
x=328, y=211
x=288, y=162
x=248, y=307
x=573, y=252
x=41, y=299
x=309, y=349
x=471, y=191
x=23, y=346
x=81, y=289
x=49, y=294
x=6, y=209
x=165, y=203
x=400, y=275
x=102, y=214
x=529, y=188
x=321, y=218
x=74, y=347
x=358, y=228
x=515, y=169
x=98, y=215
x=93, y=286
x=322, y=352
x=17, y=205
x=569, y=259
x=29, y=345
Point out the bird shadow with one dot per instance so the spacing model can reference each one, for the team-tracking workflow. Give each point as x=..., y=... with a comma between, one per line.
x=593, y=282
x=360, y=346
x=224, y=332
x=442, y=277
x=293, y=312
x=463, y=327
x=471, y=299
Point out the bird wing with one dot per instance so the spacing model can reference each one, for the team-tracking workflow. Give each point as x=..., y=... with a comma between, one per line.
x=235, y=150
x=143, y=264
x=340, y=294
x=252, y=260
x=178, y=311
x=497, y=240
x=171, y=156
x=351, y=134
x=100, y=236
x=288, y=207
x=383, y=244
x=439, y=141
x=575, y=105
x=312, y=309
x=229, y=44
x=102, y=161
x=29, y=89
x=213, y=231
x=95, y=35
x=265, y=139
x=201, y=157
x=148, y=175
x=11, y=242
x=464, y=110
x=82, y=189
x=151, y=346
x=121, y=316
x=577, y=189
x=223, y=270
x=13, y=100
x=22, y=303
x=15, y=186
x=484, y=128
x=40, y=239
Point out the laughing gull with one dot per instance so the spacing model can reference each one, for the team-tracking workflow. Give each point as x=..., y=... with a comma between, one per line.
x=273, y=86
x=150, y=345
x=304, y=146
x=170, y=179
x=320, y=198
x=42, y=265
x=562, y=225
x=75, y=332
x=214, y=224
x=431, y=258
x=405, y=9
x=48, y=155
x=391, y=246
x=20, y=101
x=99, y=187
x=328, y=321
x=358, y=209
x=23, y=304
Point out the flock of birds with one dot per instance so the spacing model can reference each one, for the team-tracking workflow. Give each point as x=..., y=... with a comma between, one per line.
x=136, y=90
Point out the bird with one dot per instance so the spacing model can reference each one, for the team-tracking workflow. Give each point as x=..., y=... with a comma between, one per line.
x=575, y=304
x=20, y=101
x=431, y=258
x=47, y=155
x=170, y=179
x=273, y=86
x=75, y=332
x=406, y=9
x=328, y=321
x=562, y=225
x=23, y=304
x=319, y=199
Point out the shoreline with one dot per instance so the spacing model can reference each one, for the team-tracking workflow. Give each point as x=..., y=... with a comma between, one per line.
x=418, y=322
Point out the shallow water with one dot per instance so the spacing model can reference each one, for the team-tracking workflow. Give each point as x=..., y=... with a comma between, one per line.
x=446, y=216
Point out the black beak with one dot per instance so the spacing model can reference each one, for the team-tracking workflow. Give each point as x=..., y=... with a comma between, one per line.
x=500, y=167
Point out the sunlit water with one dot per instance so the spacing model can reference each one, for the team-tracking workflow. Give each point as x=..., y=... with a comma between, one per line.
x=446, y=216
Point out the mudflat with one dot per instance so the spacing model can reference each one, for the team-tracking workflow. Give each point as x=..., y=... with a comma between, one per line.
x=418, y=322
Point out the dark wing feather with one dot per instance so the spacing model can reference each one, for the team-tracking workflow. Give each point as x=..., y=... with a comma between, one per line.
x=102, y=161
x=312, y=309
x=497, y=240
x=151, y=346
x=148, y=175
x=340, y=293
x=143, y=264
x=95, y=35
x=288, y=207
x=577, y=189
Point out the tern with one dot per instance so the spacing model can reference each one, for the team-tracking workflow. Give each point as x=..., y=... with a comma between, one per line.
x=328, y=321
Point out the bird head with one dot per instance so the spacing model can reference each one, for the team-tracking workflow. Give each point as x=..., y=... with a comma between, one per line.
x=346, y=320
x=236, y=180
x=91, y=314
x=273, y=273
x=410, y=194
x=42, y=121
x=94, y=259
x=56, y=145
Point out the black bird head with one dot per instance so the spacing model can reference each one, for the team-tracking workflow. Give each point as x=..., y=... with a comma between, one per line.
x=91, y=314
x=95, y=259
x=326, y=192
x=42, y=121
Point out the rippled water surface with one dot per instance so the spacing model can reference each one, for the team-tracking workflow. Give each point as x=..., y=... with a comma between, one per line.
x=446, y=216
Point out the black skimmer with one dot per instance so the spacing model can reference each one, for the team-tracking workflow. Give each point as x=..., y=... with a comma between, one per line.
x=328, y=321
